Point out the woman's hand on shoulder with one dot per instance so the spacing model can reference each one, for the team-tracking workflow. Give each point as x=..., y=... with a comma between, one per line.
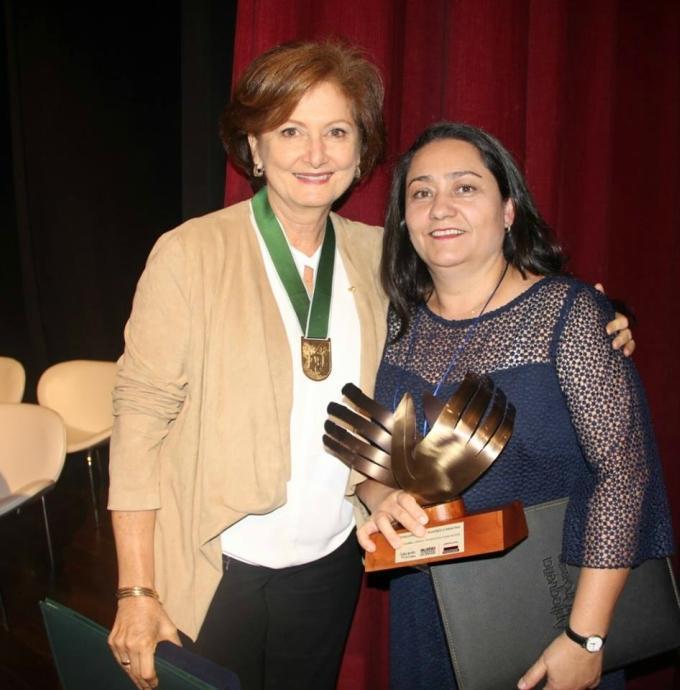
x=141, y=623
x=565, y=666
x=397, y=506
x=621, y=326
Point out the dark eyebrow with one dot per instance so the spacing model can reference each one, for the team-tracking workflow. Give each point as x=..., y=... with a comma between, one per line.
x=450, y=175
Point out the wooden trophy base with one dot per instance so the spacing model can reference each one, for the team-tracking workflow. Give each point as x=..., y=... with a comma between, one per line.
x=452, y=533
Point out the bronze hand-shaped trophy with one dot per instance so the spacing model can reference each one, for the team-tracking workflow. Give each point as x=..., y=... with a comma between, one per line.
x=467, y=433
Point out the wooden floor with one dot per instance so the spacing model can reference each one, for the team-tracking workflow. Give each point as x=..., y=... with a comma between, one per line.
x=84, y=577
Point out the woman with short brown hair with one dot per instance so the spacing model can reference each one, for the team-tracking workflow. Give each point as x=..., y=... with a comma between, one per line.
x=274, y=83
x=216, y=454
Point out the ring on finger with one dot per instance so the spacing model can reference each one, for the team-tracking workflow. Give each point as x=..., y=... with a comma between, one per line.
x=125, y=662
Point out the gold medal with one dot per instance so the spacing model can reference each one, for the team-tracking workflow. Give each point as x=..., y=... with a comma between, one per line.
x=316, y=357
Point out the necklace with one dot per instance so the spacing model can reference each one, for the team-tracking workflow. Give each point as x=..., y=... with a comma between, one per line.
x=469, y=331
x=315, y=345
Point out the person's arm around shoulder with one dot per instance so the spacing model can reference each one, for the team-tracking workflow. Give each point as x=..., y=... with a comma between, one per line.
x=623, y=340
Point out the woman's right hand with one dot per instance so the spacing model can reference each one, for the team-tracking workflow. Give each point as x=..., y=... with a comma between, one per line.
x=141, y=622
x=397, y=506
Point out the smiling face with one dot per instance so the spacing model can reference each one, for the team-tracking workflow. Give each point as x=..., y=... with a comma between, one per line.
x=454, y=210
x=311, y=159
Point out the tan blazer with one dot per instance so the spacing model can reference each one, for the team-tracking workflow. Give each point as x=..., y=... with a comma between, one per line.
x=204, y=393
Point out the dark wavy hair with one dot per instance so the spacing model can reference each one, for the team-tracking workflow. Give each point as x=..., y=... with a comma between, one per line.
x=530, y=245
x=274, y=82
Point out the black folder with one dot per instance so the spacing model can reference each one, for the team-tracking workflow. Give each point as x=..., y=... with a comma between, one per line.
x=500, y=612
x=83, y=658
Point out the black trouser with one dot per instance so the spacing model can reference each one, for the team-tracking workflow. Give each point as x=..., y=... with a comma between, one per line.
x=283, y=629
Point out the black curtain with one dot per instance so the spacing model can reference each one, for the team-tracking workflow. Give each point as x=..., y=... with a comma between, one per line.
x=106, y=135
x=13, y=327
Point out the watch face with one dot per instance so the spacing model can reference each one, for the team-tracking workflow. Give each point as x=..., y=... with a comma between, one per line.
x=594, y=643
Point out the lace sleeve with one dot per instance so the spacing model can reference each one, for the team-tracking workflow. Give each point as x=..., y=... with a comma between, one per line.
x=619, y=517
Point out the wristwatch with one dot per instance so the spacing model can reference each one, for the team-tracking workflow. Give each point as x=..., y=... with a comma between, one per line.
x=592, y=643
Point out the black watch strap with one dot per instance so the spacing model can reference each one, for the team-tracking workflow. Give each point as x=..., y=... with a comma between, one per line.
x=591, y=643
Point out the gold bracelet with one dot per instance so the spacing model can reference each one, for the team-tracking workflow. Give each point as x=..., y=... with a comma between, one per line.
x=124, y=592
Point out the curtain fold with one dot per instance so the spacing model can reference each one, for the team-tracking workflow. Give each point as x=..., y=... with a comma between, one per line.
x=587, y=97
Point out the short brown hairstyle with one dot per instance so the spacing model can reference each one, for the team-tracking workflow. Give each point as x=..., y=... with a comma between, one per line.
x=273, y=84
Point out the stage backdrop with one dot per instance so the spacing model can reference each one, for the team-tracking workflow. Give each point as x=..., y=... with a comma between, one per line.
x=586, y=96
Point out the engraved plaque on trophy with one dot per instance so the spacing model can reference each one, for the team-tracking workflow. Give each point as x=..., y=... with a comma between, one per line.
x=466, y=435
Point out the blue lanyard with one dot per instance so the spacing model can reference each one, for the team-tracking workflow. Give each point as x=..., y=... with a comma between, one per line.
x=469, y=331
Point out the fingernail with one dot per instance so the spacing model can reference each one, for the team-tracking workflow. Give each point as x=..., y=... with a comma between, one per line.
x=422, y=519
x=522, y=684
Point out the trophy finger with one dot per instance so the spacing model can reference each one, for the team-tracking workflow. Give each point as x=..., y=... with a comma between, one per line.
x=356, y=444
x=474, y=413
x=432, y=407
x=451, y=412
x=451, y=450
x=359, y=463
x=371, y=431
x=369, y=406
x=374, y=471
x=472, y=461
x=502, y=434
x=404, y=439
x=463, y=413
x=486, y=430
x=446, y=441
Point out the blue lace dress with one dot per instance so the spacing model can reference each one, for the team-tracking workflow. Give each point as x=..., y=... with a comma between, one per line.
x=582, y=430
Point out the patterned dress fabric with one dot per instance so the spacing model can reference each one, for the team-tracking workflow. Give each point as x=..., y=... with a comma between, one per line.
x=582, y=429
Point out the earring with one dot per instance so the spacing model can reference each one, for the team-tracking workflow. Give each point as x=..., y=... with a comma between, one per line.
x=507, y=229
x=258, y=170
x=357, y=173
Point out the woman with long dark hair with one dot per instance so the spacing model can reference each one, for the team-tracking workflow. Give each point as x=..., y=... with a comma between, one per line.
x=475, y=281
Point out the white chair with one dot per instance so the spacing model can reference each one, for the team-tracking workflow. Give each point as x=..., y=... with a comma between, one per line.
x=80, y=391
x=32, y=452
x=12, y=380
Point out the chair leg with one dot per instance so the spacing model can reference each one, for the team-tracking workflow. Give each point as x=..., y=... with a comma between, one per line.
x=98, y=461
x=47, y=534
x=92, y=490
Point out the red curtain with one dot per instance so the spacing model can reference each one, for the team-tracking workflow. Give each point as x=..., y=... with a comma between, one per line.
x=587, y=97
